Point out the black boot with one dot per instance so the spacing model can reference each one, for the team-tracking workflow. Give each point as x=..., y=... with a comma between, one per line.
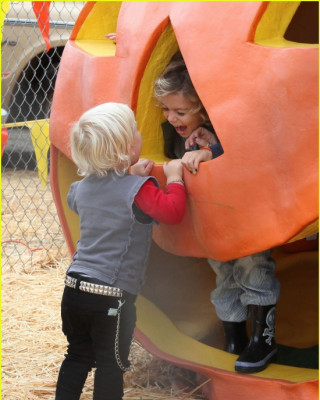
x=236, y=337
x=262, y=347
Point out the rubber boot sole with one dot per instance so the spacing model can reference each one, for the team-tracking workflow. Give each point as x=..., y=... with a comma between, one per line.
x=247, y=367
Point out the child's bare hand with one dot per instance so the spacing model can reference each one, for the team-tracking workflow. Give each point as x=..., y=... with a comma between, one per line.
x=143, y=167
x=202, y=137
x=191, y=159
x=111, y=36
x=173, y=169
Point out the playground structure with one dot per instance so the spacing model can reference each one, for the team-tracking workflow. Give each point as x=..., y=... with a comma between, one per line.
x=256, y=75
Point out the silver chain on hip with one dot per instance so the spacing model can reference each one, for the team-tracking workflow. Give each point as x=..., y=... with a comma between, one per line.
x=116, y=343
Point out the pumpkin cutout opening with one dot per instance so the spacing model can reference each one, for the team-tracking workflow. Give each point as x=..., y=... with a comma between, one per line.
x=98, y=20
x=148, y=113
x=149, y=116
x=287, y=24
x=168, y=324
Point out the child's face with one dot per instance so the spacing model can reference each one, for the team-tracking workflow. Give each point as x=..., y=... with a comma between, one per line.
x=178, y=111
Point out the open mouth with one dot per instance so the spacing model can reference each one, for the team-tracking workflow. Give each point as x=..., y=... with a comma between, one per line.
x=181, y=130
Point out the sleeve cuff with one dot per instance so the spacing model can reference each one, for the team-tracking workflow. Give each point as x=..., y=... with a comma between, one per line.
x=216, y=150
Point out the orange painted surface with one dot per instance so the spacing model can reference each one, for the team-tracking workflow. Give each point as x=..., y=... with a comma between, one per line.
x=224, y=385
x=262, y=101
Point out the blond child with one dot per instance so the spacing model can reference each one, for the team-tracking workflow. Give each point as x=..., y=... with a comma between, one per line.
x=117, y=210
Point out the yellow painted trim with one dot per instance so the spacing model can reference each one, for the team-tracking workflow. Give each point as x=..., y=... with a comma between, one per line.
x=149, y=116
x=167, y=338
x=281, y=42
x=309, y=230
x=67, y=174
x=97, y=48
x=275, y=21
x=101, y=20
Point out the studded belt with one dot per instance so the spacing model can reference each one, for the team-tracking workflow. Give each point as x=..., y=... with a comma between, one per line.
x=93, y=287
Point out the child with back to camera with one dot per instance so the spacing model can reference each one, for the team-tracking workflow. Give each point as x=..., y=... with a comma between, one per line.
x=117, y=210
x=246, y=286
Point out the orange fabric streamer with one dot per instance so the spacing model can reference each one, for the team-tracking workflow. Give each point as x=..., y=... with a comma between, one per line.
x=41, y=10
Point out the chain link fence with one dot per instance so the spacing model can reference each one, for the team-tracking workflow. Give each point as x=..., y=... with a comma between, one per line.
x=29, y=219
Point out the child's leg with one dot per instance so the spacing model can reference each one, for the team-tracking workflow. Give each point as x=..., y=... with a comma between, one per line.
x=261, y=290
x=80, y=357
x=112, y=360
x=255, y=276
x=226, y=296
x=72, y=376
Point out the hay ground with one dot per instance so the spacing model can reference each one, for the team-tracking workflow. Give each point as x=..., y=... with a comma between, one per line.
x=32, y=283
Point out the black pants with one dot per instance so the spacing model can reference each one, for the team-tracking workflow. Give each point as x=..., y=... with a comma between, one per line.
x=91, y=334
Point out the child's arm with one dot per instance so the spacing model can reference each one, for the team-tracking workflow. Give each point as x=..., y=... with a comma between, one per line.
x=174, y=172
x=209, y=148
x=168, y=208
x=192, y=159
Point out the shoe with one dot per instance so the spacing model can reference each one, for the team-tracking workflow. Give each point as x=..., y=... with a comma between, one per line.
x=262, y=348
x=236, y=337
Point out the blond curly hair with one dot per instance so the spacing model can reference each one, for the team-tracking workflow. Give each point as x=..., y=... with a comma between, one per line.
x=100, y=139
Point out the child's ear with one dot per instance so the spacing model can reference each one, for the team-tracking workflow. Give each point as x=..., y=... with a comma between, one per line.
x=130, y=150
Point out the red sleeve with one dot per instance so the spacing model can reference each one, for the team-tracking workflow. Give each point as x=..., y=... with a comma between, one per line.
x=167, y=208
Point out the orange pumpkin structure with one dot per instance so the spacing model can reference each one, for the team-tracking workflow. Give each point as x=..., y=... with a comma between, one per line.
x=255, y=68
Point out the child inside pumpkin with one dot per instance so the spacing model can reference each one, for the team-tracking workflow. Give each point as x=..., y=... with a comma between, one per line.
x=246, y=286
